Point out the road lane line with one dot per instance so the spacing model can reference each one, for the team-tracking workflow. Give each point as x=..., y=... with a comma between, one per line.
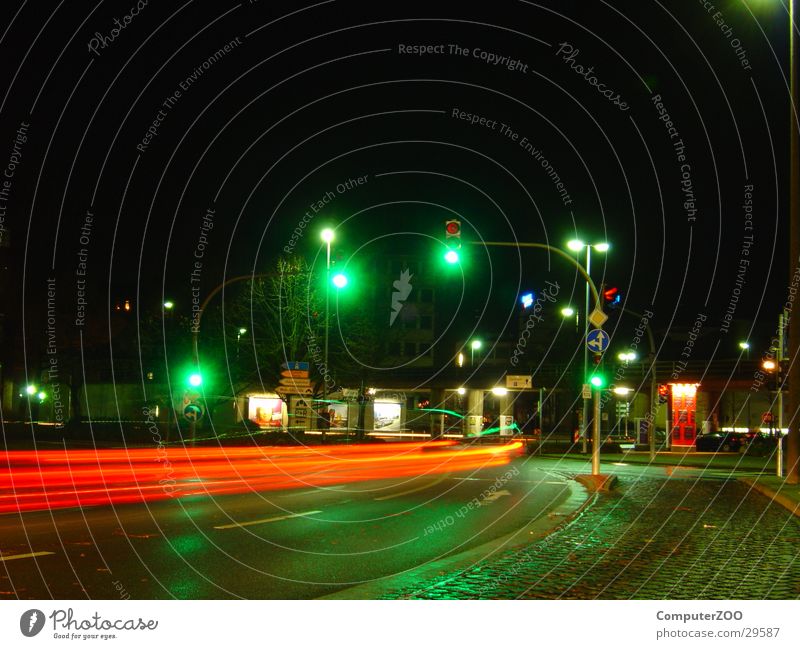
x=11, y=557
x=414, y=490
x=274, y=519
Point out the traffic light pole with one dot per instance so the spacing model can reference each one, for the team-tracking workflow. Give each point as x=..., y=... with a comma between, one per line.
x=590, y=288
x=596, y=434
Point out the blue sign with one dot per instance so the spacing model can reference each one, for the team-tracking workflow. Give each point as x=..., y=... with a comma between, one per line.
x=597, y=340
x=295, y=365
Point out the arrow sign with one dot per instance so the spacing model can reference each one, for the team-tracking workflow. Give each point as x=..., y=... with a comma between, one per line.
x=193, y=412
x=295, y=365
x=597, y=340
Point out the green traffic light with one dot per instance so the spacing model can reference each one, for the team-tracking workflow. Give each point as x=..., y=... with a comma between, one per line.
x=451, y=257
x=339, y=280
x=597, y=381
x=195, y=379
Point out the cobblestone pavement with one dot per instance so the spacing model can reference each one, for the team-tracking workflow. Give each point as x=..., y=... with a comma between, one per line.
x=652, y=539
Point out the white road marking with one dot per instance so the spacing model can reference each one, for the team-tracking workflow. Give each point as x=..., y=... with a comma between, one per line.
x=497, y=494
x=11, y=557
x=274, y=519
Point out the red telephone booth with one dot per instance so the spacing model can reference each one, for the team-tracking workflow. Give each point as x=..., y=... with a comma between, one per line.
x=684, y=409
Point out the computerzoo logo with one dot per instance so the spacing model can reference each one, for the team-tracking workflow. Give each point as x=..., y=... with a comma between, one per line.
x=67, y=626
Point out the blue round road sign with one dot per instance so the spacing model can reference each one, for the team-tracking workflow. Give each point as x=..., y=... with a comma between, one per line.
x=597, y=340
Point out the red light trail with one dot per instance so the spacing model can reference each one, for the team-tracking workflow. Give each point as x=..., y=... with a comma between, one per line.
x=35, y=480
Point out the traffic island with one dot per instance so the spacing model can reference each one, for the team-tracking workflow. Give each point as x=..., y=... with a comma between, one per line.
x=602, y=483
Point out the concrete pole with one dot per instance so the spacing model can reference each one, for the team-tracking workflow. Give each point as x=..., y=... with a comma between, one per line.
x=585, y=422
x=793, y=438
x=474, y=412
x=596, y=435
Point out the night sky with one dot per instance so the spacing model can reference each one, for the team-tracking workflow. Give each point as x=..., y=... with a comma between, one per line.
x=655, y=116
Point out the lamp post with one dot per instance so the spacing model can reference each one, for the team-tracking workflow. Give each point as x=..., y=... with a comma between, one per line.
x=576, y=245
x=475, y=344
x=327, y=236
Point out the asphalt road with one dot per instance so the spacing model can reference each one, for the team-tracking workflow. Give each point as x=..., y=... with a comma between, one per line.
x=302, y=543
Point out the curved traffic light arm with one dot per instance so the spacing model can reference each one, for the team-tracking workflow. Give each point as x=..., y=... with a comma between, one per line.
x=544, y=246
x=217, y=289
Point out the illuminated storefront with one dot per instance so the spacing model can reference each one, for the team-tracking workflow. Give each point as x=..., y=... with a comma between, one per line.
x=684, y=412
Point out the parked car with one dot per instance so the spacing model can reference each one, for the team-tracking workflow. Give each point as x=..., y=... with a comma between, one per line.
x=725, y=442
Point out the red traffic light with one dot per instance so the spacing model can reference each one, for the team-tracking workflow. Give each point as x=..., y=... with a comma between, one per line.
x=611, y=296
x=452, y=234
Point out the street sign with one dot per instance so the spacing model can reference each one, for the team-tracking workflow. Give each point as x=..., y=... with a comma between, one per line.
x=304, y=383
x=295, y=365
x=193, y=412
x=623, y=408
x=287, y=390
x=597, y=317
x=597, y=340
x=518, y=382
x=587, y=391
x=295, y=374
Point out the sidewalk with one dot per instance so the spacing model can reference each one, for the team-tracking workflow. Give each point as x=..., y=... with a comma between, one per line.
x=777, y=490
x=685, y=459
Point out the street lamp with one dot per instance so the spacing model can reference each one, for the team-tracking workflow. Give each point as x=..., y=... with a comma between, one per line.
x=169, y=304
x=576, y=245
x=474, y=345
x=745, y=347
x=31, y=390
x=327, y=236
x=627, y=357
x=568, y=312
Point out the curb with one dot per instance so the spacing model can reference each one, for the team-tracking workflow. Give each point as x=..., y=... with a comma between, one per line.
x=774, y=496
x=578, y=500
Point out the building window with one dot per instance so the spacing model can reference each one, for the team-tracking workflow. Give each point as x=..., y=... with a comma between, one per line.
x=425, y=322
x=426, y=295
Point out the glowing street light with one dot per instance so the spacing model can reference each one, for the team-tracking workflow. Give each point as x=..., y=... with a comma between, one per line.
x=327, y=235
x=473, y=346
x=568, y=312
x=462, y=391
x=769, y=365
x=169, y=305
x=627, y=356
x=744, y=345
x=499, y=391
x=31, y=390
